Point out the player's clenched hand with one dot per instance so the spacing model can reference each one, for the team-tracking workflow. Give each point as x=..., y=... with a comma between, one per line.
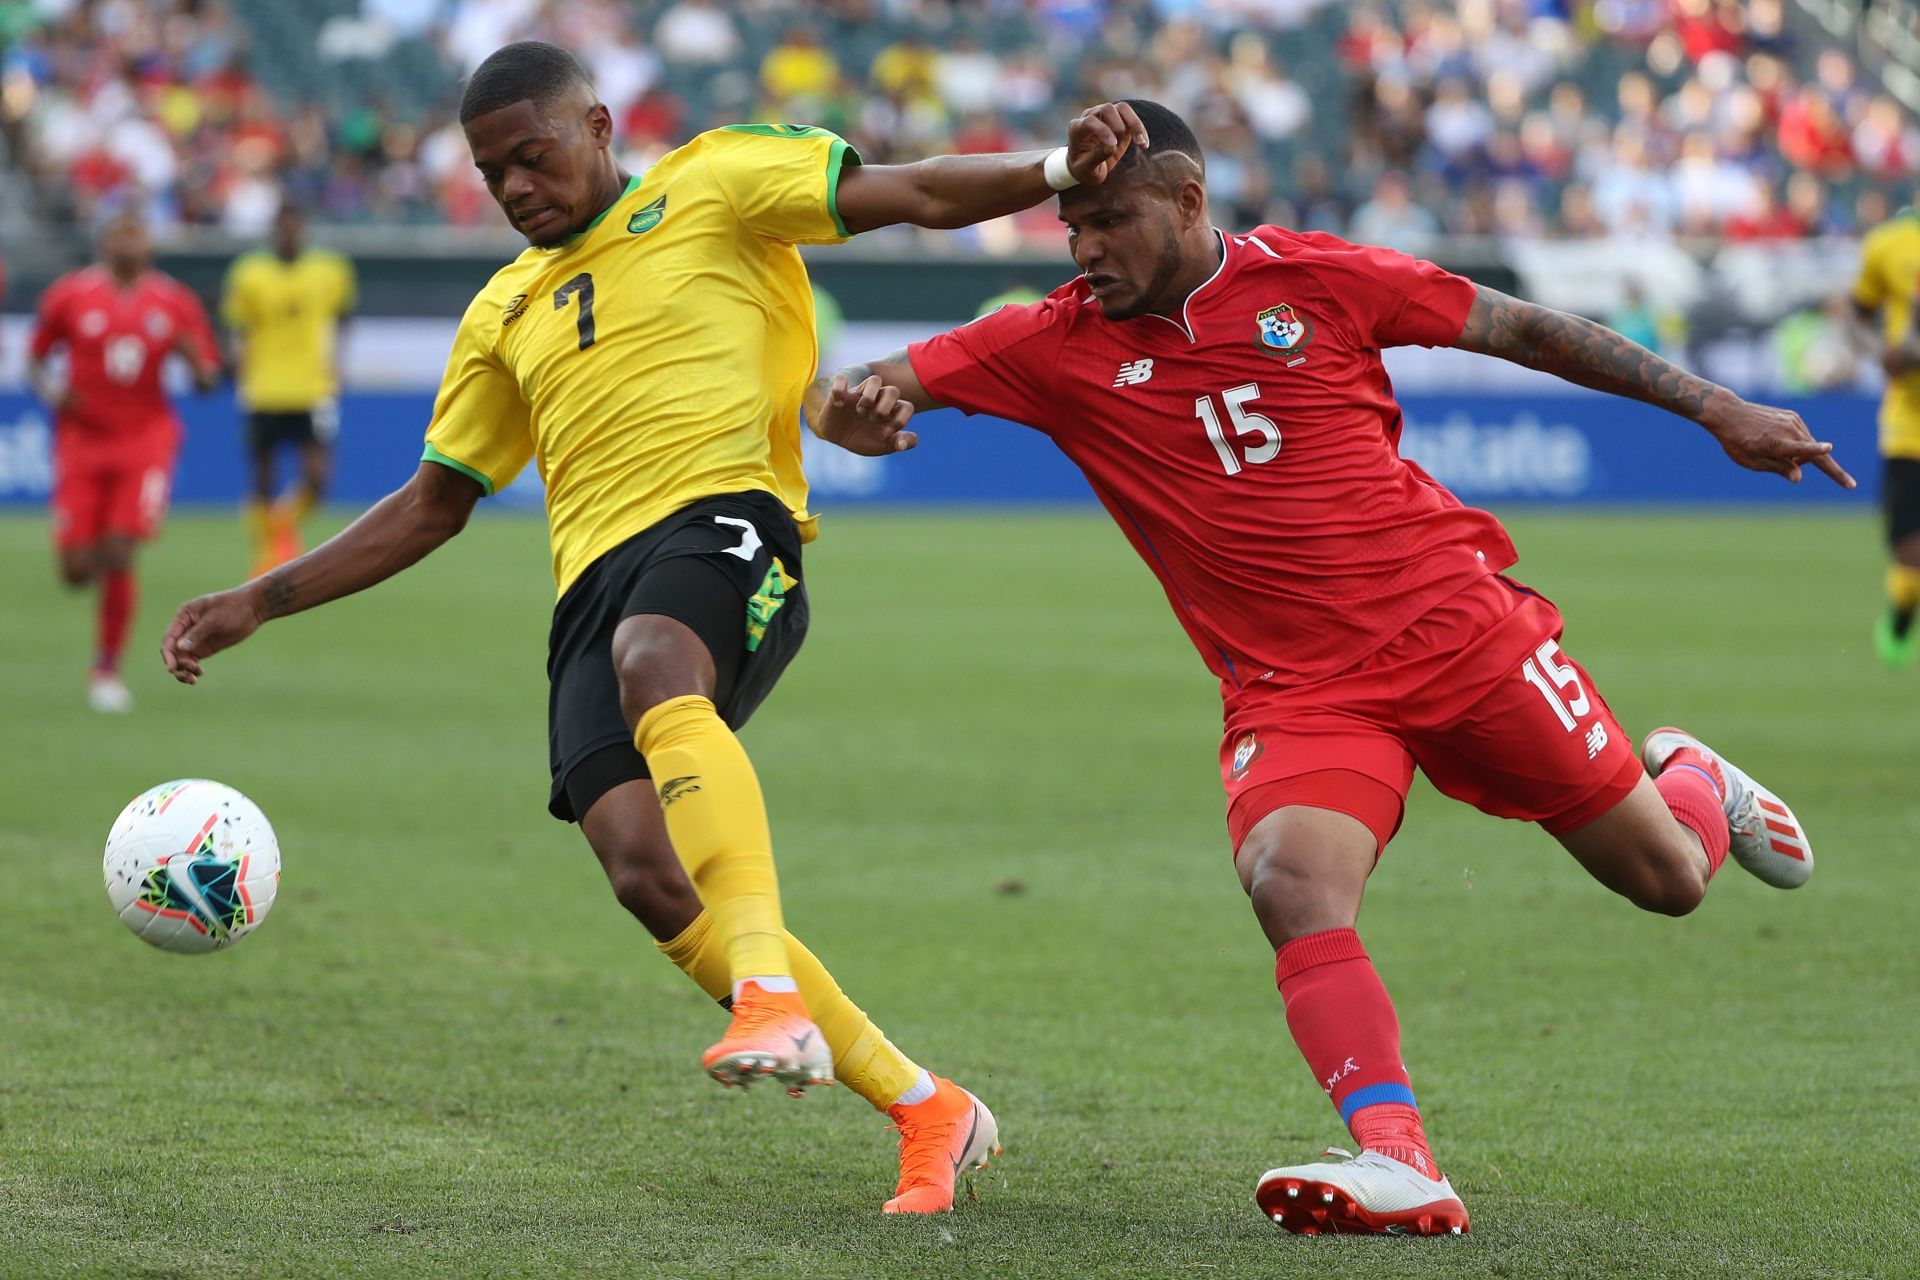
x=1098, y=137
x=868, y=419
x=203, y=627
x=1763, y=438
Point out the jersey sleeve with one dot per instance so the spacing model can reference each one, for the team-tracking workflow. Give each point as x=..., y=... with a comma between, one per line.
x=481, y=425
x=783, y=180
x=346, y=287
x=50, y=324
x=196, y=329
x=1000, y=364
x=1870, y=287
x=233, y=297
x=1400, y=301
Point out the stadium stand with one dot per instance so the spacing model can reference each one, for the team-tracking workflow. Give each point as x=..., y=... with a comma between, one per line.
x=1398, y=122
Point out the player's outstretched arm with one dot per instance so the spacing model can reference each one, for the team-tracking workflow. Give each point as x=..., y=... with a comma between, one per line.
x=395, y=532
x=1757, y=436
x=54, y=392
x=958, y=191
x=864, y=408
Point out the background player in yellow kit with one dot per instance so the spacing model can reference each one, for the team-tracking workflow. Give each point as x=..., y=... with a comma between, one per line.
x=284, y=308
x=1884, y=294
x=650, y=351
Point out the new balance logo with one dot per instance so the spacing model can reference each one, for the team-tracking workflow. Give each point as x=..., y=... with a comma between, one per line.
x=674, y=788
x=1133, y=373
x=1596, y=740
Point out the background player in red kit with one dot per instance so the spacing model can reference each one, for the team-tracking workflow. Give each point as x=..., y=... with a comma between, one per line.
x=115, y=436
x=1225, y=397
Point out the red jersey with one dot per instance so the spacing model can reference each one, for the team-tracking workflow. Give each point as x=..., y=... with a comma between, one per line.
x=117, y=338
x=1250, y=448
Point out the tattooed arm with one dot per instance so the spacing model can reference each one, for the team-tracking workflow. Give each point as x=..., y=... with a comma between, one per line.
x=864, y=407
x=395, y=532
x=1757, y=436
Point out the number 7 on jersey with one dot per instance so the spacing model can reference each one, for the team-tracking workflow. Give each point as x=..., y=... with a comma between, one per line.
x=581, y=284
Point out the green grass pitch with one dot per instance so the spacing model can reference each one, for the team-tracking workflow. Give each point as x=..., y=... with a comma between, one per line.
x=992, y=779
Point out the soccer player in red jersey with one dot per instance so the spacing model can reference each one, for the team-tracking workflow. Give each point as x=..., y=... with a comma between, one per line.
x=1224, y=395
x=115, y=436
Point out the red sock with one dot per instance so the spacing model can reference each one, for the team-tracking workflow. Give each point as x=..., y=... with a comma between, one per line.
x=116, y=612
x=1694, y=799
x=1343, y=1021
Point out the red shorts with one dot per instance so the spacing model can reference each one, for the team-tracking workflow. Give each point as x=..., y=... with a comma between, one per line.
x=1476, y=693
x=95, y=496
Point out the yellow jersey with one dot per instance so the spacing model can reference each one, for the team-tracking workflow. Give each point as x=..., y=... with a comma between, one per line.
x=658, y=356
x=1889, y=277
x=288, y=316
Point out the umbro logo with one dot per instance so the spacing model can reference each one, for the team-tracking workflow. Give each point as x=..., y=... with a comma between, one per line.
x=1133, y=373
x=674, y=788
x=515, y=308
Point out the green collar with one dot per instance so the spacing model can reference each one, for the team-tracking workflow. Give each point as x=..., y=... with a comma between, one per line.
x=633, y=185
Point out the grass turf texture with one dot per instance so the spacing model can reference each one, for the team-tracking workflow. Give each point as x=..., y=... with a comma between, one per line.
x=998, y=819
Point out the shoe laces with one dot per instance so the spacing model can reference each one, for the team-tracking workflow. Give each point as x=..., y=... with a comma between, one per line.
x=751, y=1016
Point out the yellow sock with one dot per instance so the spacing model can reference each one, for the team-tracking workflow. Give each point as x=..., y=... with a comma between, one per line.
x=717, y=821
x=864, y=1060
x=293, y=508
x=259, y=525
x=1903, y=588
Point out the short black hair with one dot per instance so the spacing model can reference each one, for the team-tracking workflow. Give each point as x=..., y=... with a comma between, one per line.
x=525, y=71
x=1167, y=134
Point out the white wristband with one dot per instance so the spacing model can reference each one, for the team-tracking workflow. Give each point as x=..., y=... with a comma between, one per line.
x=1058, y=176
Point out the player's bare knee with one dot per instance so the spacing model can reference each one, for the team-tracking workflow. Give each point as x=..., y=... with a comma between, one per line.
x=1291, y=897
x=1673, y=881
x=76, y=571
x=656, y=659
x=655, y=892
x=114, y=556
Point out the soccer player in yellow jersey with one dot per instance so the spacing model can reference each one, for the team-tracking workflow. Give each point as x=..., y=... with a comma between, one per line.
x=284, y=308
x=649, y=352
x=1885, y=292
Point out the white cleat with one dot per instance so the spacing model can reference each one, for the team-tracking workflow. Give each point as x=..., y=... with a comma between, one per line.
x=106, y=694
x=1767, y=839
x=1368, y=1194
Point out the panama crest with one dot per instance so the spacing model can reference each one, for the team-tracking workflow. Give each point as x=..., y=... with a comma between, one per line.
x=1282, y=329
x=1245, y=752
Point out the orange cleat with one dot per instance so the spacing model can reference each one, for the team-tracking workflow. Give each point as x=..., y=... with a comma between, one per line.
x=951, y=1131
x=771, y=1038
x=286, y=539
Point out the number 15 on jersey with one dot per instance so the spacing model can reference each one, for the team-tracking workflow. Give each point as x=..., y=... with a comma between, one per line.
x=1247, y=427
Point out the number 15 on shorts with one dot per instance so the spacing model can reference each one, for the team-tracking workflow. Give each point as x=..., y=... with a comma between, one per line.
x=1558, y=683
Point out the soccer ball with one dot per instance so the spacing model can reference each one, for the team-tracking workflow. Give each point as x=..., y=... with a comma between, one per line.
x=192, y=866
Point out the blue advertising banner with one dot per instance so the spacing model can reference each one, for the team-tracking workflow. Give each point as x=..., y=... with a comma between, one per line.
x=1489, y=449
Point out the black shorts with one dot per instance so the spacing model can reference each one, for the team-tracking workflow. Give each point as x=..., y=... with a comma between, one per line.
x=1900, y=498
x=268, y=430
x=729, y=568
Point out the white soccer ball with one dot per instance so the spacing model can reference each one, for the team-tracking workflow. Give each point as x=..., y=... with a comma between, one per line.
x=192, y=866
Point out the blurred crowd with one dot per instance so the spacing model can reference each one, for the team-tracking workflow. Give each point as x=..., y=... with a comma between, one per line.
x=1388, y=122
